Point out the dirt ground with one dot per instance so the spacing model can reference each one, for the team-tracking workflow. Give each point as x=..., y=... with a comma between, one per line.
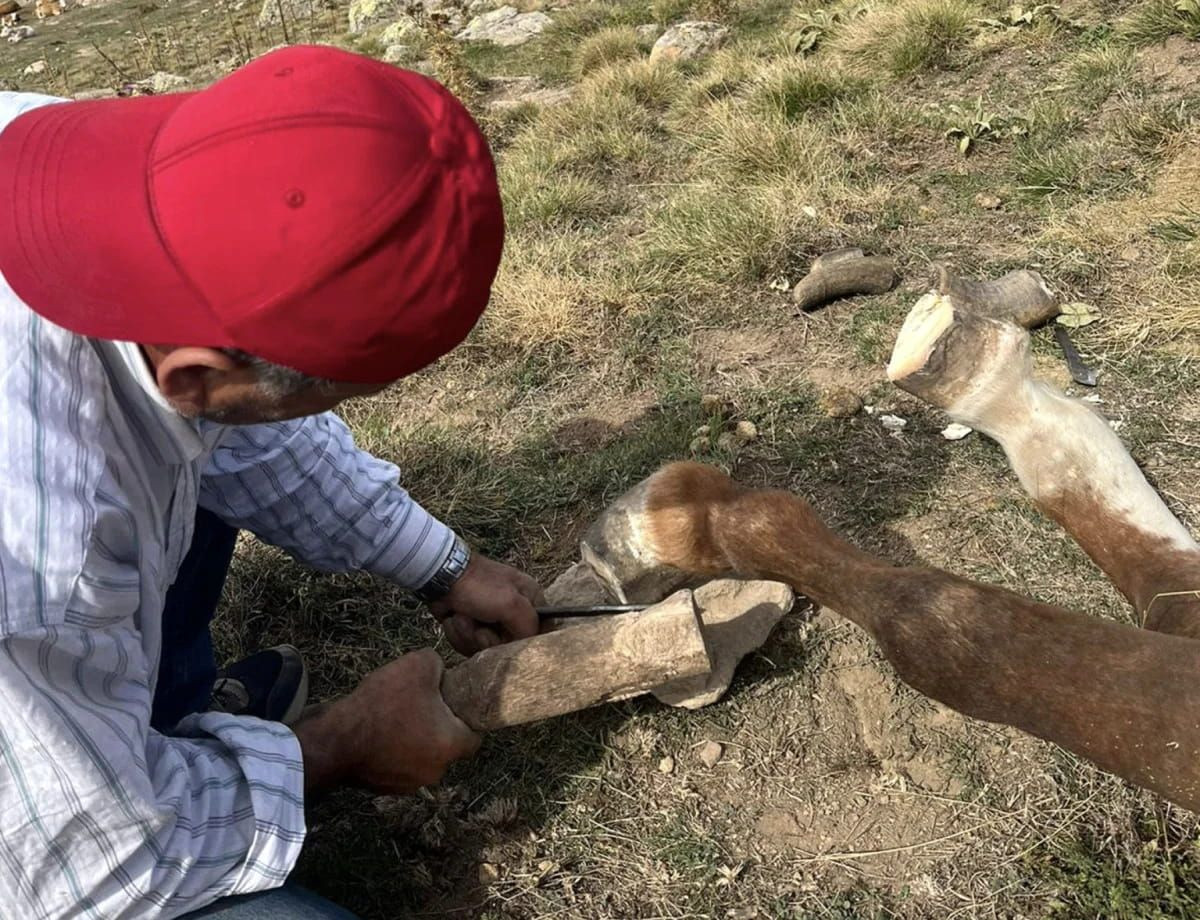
x=657, y=216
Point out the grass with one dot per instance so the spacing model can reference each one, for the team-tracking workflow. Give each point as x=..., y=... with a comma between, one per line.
x=1154, y=21
x=910, y=37
x=608, y=46
x=655, y=221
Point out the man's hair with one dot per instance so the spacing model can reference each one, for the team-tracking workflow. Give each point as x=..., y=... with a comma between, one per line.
x=275, y=379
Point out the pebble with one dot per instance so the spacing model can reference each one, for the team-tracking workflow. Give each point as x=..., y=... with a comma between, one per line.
x=710, y=753
x=841, y=402
x=892, y=422
x=666, y=765
x=745, y=431
x=956, y=432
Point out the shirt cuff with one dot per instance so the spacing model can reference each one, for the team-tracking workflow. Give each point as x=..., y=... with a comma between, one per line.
x=271, y=765
x=412, y=552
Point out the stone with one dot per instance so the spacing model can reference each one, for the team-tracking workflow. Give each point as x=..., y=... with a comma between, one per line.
x=162, y=82
x=841, y=402
x=712, y=404
x=404, y=29
x=365, y=14
x=687, y=40
x=505, y=26
x=649, y=32
x=745, y=431
x=488, y=874
x=737, y=617
x=666, y=765
x=710, y=753
x=35, y=68
x=987, y=202
x=956, y=432
x=293, y=11
x=396, y=54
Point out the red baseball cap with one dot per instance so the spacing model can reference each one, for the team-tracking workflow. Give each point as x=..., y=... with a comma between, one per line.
x=316, y=208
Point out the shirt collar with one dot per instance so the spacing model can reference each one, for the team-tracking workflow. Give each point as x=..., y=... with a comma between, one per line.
x=129, y=363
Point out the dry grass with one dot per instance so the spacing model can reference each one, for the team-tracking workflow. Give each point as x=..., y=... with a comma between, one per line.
x=648, y=216
x=909, y=37
x=608, y=46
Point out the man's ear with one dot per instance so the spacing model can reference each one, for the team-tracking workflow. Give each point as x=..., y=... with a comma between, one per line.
x=185, y=376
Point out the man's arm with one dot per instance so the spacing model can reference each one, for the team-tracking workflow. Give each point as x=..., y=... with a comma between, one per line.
x=303, y=485
x=106, y=818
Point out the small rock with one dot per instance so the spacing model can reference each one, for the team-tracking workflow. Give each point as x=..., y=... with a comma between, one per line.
x=475, y=7
x=162, y=82
x=505, y=26
x=687, y=40
x=648, y=32
x=745, y=431
x=956, y=432
x=841, y=402
x=488, y=874
x=1130, y=254
x=363, y=14
x=712, y=404
x=293, y=11
x=728, y=441
x=987, y=202
x=749, y=912
x=396, y=54
x=893, y=423
x=710, y=753
x=35, y=68
x=402, y=30
x=18, y=33
x=666, y=765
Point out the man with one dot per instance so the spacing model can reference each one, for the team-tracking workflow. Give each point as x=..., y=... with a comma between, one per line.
x=190, y=282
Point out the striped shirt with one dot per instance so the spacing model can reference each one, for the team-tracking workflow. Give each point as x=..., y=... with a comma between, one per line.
x=101, y=816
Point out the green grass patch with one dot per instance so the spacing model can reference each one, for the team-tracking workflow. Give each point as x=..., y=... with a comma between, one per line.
x=915, y=36
x=1155, y=21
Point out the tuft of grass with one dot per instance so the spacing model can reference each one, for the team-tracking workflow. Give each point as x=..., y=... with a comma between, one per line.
x=1094, y=75
x=1153, y=130
x=715, y=234
x=608, y=46
x=1089, y=880
x=792, y=88
x=1075, y=167
x=535, y=197
x=1157, y=20
x=732, y=141
x=914, y=36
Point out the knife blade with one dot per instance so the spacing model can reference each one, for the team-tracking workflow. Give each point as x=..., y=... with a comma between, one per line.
x=1080, y=372
x=589, y=610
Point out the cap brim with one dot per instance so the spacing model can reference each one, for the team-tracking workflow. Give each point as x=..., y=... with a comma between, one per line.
x=79, y=241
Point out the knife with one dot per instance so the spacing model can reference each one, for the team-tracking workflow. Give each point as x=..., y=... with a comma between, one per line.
x=1080, y=372
x=590, y=610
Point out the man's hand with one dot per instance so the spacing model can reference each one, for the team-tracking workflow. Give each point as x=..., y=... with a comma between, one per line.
x=491, y=603
x=392, y=734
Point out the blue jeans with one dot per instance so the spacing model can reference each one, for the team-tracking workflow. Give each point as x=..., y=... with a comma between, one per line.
x=284, y=904
x=185, y=680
